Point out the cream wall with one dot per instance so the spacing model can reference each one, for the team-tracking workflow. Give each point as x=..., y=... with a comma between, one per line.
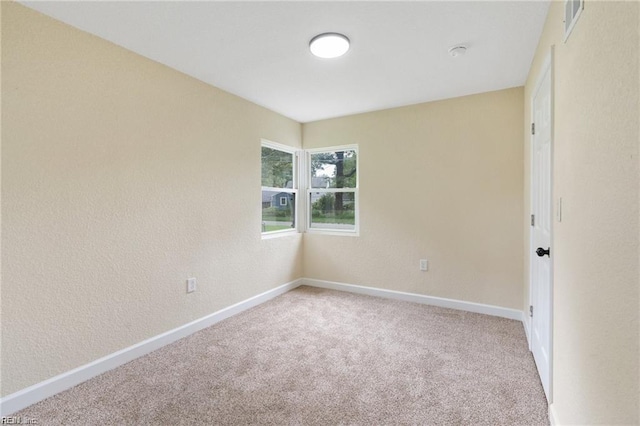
x=596, y=280
x=120, y=179
x=0, y=202
x=441, y=181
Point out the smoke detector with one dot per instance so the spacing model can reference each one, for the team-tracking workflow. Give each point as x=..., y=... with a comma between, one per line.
x=458, y=50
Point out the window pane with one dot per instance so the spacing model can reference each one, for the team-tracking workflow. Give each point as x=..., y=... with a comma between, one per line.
x=576, y=6
x=335, y=169
x=277, y=168
x=333, y=210
x=278, y=211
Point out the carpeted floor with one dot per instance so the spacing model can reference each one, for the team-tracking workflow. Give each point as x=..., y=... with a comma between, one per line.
x=314, y=356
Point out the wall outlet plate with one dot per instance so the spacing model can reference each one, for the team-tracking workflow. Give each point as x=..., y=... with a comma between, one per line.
x=191, y=285
x=424, y=265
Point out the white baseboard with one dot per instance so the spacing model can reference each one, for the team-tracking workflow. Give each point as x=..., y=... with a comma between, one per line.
x=479, y=308
x=28, y=396
x=553, y=418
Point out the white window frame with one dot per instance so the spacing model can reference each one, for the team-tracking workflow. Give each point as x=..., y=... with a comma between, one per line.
x=294, y=190
x=573, y=19
x=307, y=182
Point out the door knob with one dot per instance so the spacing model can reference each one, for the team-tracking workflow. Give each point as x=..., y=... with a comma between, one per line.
x=541, y=252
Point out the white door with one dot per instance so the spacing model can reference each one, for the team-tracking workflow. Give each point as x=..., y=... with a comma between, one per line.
x=541, y=221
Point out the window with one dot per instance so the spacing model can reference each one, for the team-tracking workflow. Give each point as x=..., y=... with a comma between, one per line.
x=332, y=191
x=279, y=188
x=331, y=185
x=572, y=10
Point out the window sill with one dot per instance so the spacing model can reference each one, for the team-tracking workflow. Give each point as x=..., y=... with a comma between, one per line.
x=279, y=234
x=334, y=232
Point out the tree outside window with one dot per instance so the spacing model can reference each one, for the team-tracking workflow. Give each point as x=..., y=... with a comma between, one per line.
x=279, y=188
x=333, y=189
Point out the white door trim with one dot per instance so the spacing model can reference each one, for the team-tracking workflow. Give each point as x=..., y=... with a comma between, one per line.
x=548, y=65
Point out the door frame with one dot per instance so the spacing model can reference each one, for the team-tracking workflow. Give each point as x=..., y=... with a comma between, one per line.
x=548, y=65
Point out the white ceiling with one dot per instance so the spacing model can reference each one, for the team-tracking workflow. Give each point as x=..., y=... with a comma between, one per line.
x=259, y=50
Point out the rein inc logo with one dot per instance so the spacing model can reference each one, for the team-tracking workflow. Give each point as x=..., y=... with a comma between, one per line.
x=17, y=420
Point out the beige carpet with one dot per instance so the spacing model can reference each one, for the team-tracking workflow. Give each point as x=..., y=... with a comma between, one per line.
x=315, y=356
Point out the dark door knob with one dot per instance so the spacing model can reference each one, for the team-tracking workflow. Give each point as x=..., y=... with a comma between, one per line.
x=541, y=252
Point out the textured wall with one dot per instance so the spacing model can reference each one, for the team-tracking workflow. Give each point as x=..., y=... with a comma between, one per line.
x=1, y=203
x=120, y=179
x=442, y=181
x=596, y=281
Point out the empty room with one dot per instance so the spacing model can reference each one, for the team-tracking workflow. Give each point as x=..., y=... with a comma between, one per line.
x=368, y=213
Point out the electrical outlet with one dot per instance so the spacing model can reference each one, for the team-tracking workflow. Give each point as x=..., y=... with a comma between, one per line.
x=191, y=285
x=424, y=265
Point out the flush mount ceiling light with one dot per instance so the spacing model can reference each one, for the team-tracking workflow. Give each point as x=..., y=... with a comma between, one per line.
x=329, y=45
x=458, y=50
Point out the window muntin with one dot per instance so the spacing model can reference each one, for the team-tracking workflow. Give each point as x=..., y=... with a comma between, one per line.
x=279, y=188
x=332, y=193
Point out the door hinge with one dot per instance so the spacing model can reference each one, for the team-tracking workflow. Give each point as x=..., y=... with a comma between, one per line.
x=533, y=128
x=533, y=220
x=531, y=310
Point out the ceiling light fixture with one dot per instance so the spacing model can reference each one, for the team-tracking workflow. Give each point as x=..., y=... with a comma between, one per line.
x=329, y=45
x=459, y=50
